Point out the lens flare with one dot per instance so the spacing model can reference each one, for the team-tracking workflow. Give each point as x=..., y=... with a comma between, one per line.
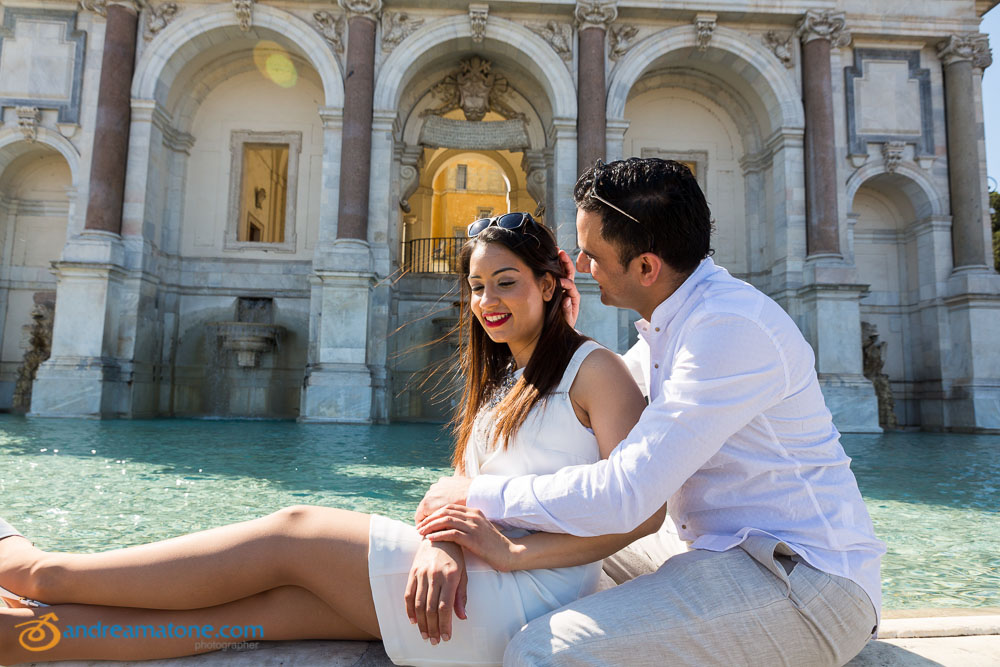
x=274, y=63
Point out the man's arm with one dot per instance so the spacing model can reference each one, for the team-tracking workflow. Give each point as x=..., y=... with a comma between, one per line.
x=720, y=380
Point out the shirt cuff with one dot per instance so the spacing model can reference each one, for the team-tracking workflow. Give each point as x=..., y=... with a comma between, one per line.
x=486, y=494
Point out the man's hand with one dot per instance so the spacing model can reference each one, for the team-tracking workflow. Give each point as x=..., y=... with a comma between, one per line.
x=571, y=298
x=436, y=587
x=470, y=529
x=447, y=491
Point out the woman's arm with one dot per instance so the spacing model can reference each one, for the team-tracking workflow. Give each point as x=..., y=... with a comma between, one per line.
x=605, y=398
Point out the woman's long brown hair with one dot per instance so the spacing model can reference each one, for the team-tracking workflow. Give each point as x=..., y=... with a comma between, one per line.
x=484, y=363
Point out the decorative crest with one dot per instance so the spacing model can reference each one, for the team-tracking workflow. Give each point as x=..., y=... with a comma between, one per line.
x=831, y=26
x=966, y=46
x=478, y=14
x=557, y=35
x=332, y=29
x=780, y=45
x=158, y=18
x=27, y=122
x=397, y=26
x=892, y=153
x=621, y=38
x=244, y=13
x=475, y=89
x=595, y=13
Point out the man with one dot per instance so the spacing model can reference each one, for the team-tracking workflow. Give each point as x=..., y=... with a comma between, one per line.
x=783, y=565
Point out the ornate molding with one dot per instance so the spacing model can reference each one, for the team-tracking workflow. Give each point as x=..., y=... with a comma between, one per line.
x=557, y=35
x=332, y=29
x=972, y=46
x=595, y=13
x=397, y=26
x=621, y=38
x=244, y=13
x=369, y=9
x=892, y=154
x=478, y=15
x=158, y=18
x=411, y=162
x=831, y=26
x=704, y=25
x=27, y=122
x=475, y=89
x=781, y=46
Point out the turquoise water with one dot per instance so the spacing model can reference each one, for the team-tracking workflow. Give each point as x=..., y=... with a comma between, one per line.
x=88, y=485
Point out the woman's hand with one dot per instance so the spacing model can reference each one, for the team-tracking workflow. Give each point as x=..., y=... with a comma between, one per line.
x=436, y=587
x=467, y=527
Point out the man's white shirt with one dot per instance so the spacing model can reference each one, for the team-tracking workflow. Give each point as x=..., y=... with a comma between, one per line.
x=736, y=439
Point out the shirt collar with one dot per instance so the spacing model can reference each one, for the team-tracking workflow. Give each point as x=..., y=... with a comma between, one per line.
x=664, y=313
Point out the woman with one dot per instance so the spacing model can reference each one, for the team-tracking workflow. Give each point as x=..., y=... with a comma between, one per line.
x=536, y=399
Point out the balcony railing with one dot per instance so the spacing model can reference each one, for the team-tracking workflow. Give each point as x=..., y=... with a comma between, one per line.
x=433, y=255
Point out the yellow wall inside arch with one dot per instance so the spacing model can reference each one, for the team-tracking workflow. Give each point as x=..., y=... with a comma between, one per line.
x=454, y=208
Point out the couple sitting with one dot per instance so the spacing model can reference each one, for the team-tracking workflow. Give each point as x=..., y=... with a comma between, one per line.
x=559, y=463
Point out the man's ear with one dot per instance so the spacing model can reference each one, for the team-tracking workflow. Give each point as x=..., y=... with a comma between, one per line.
x=548, y=286
x=650, y=268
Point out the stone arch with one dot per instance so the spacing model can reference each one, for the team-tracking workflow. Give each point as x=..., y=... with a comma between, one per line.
x=435, y=166
x=911, y=182
x=440, y=38
x=189, y=35
x=779, y=95
x=13, y=145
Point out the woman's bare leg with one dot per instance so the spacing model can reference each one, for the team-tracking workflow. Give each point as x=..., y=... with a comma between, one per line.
x=284, y=613
x=321, y=549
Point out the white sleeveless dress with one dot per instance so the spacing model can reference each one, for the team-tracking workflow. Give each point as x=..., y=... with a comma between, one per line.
x=499, y=603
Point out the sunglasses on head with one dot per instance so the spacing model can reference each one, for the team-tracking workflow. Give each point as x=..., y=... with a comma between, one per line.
x=511, y=221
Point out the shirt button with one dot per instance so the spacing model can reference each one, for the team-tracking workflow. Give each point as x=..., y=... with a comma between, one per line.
x=657, y=328
x=684, y=526
x=656, y=365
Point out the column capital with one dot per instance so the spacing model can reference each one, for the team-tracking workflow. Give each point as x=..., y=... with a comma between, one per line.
x=972, y=46
x=831, y=26
x=369, y=9
x=100, y=7
x=595, y=13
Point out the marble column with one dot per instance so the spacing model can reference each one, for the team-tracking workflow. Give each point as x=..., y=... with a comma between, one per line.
x=111, y=129
x=356, y=142
x=960, y=54
x=819, y=31
x=592, y=20
x=970, y=375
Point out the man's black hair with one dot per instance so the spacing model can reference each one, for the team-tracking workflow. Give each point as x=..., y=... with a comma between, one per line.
x=674, y=220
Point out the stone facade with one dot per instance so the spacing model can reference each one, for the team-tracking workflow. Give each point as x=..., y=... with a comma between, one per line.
x=841, y=151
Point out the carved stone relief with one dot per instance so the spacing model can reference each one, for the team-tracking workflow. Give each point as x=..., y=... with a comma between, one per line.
x=332, y=29
x=478, y=14
x=780, y=45
x=411, y=162
x=621, y=38
x=158, y=17
x=27, y=122
x=475, y=89
x=892, y=154
x=244, y=13
x=704, y=25
x=397, y=26
x=557, y=35
x=39, y=348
